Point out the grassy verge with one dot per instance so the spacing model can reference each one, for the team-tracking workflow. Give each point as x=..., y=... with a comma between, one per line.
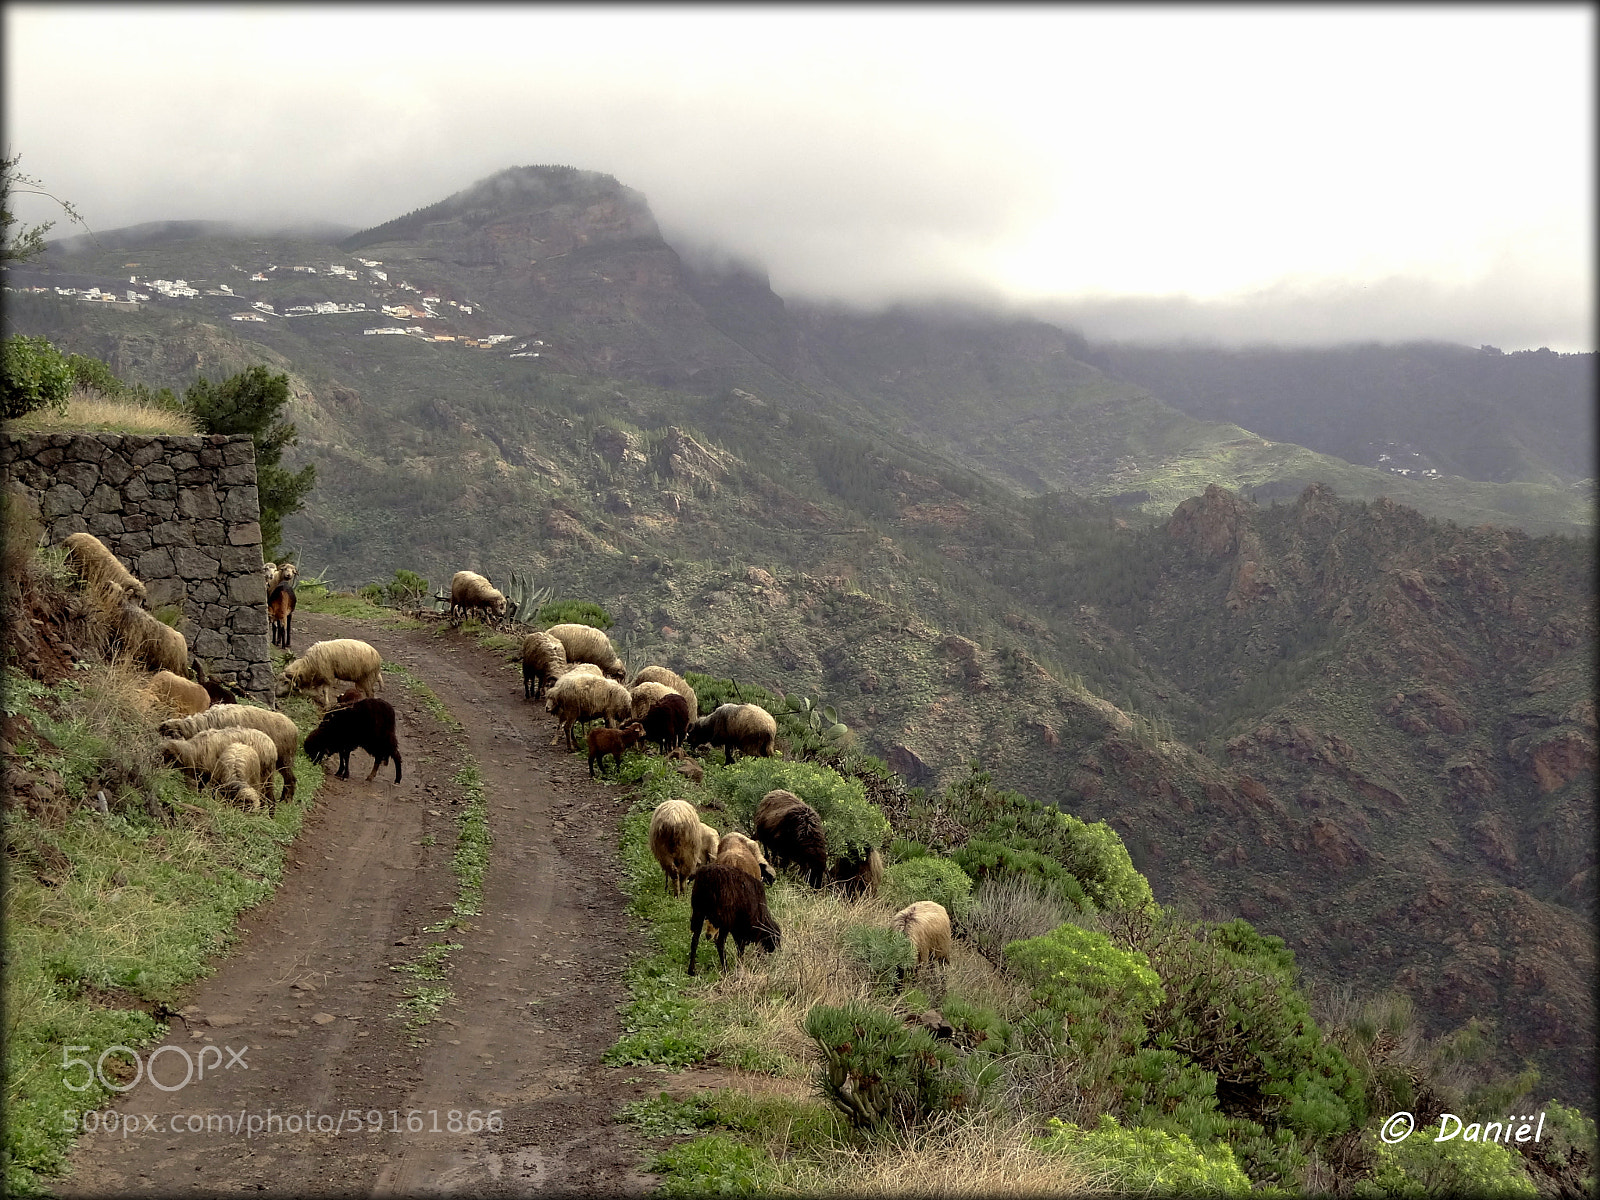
x=311, y=595
x=427, y=989
x=109, y=915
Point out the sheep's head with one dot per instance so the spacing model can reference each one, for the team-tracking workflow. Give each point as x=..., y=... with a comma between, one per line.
x=615, y=671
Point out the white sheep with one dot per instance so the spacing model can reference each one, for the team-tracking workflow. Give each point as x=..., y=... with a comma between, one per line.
x=927, y=925
x=272, y=575
x=157, y=645
x=175, y=694
x=326, y=662
x=470, y=591
x=236, y=761
x=674, y=681
x=678, y=843
x=99, y=567
x=747, y=728
x=585, y=643
x=580, y=696
x=543, y=660
x=285, y=734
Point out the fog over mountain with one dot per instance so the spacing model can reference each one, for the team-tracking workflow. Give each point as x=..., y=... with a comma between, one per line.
x=1295, y=175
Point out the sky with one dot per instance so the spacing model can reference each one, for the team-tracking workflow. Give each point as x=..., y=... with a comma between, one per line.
x=1297, y=174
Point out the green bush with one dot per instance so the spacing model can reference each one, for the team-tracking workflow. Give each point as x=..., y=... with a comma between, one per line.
x=1421, y=1166
x=407, y=589
x=1148, y=1162
x=881, y=1075
x=937, y=879
x=33, y=375
x=885, y=953
x=1093, y=986
x=370, y=592
x=854, y=825
x=714, y=1165
x=575, y=612
x=977, y=1027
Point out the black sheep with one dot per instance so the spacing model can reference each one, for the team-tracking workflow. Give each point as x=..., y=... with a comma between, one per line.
x=666, y=721
x=364, y=725
x=792, y=832
x=734, y=903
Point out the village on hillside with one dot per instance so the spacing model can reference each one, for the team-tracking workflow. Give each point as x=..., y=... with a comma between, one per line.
x=408, y=315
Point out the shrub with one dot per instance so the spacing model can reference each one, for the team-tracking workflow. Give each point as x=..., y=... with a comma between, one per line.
x=1421, y=1166
x=884, y=953
x=880, y=1074
x=1009, y=909
x=854, y=825
x=1148, y=1162
x=33, y=375
x=575, y=612
x=1096, y=988
x=406, y=589
x=936, y=879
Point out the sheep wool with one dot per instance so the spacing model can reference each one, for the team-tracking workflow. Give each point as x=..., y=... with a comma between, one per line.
x=585, y=643
x=747, y=728
x=579, y=696
x=677, y=843
x=94, y=561
x=927, y=925
x=325, y=662
x=285, y=734
x=674, y=681
x=470, y=592
x=175, y=694
x=543, y=659
x=645, y=695
x=158, y=646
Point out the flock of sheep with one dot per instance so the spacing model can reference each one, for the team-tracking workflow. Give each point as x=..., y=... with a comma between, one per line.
x=239, y=749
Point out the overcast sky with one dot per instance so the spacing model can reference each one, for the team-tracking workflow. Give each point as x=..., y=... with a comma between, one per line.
x=1294, y=174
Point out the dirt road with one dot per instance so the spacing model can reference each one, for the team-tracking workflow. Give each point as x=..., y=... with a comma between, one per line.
x=310, y=990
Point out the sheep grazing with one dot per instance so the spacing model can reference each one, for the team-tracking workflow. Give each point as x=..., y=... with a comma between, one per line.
x=674, y=681
x=726, y=897
x=585, y=643
x=678, y=844
x=792, y=832
x=747, y=728
x=471, y=592
x=361, y=725
x=280, y=611
x=236, y=761
x=927, y=925
x=154, y=644
x=325, y=662
x=177, y=695
x=666, y=722
x=645, y=695
x=613, y=741
x=285, y=734
x=542, y=659
x=578, y=696
x=858, y=876
x=746, y=852
x=99, y=567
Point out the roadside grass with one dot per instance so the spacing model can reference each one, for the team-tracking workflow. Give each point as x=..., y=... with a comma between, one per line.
x=427, y=990
x=109, y=915
x=93, y=411
x=750, y=1018
x=312, y=595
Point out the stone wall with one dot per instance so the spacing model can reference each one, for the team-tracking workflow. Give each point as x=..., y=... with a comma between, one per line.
x=181, y=513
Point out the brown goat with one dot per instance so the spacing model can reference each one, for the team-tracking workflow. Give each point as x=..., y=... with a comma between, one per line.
x=613, y=741
x=734, y=903
x=280, y=609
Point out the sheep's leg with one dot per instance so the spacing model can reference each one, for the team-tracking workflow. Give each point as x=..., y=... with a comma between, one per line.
x=397, y=766
x=289, y=783
x=344, y=765
x=376, y=763
x=722, y=954
x=694, y=942
x=288, y=630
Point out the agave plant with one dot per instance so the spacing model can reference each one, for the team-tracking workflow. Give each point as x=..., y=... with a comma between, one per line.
x=523, y=600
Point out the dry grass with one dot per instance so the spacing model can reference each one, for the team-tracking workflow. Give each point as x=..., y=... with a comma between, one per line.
x=99, y=413
x=947, y=1158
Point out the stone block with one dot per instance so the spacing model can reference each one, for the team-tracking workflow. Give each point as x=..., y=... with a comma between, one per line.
x=61, y=501
x=211, y=457
x=249, y=647
x=160, y=510
x=259, y=679
x=237, y=476
x=164, y=491
x=245, y=589
x=194, y=477
x=251, y=620
x=183, y=461
x=172, y=533
x=82, y=476
x=154, y=564
x=135, y=491
x=208, y=643
x=104, y=525
x=209, y=533
x=136, y=522
x=194, y=564
x=103, y=500
x=159, y=472
x=241, y=560
x=238, y=452
x=162, y=590
x=63, y=527
x=142, y=451
x=88, y=449
x=133, y=541
x=205, y=591
x=246, y=534
x=115, y=470
x=48, y=459
x=241, y=504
